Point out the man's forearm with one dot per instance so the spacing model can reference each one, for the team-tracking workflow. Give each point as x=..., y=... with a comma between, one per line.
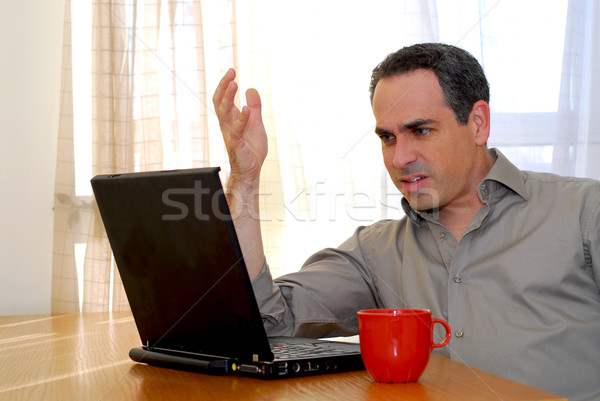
x=242, y=197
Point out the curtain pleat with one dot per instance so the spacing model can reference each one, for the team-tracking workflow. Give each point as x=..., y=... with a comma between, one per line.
x=67, y=216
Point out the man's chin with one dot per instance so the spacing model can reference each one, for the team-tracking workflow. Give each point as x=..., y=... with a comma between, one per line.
x=424, y=200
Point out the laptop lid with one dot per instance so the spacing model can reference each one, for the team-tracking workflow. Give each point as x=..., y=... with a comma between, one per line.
x=180, y=262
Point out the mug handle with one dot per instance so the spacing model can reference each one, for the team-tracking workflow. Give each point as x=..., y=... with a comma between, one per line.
x=448, y=333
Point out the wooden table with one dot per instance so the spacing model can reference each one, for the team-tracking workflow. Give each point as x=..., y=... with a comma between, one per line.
x=85, y=357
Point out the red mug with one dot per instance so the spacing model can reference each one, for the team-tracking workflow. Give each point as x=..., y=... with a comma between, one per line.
x=395, y=344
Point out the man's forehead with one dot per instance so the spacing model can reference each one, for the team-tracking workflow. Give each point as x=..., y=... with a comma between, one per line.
x=408, y=85
x=405, y=98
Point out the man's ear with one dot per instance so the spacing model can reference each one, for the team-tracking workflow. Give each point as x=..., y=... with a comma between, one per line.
x=480, y=118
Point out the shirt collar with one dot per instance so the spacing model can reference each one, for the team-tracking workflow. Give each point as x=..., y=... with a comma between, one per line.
x=507, y=174
x=502, y=172
x=410, y=212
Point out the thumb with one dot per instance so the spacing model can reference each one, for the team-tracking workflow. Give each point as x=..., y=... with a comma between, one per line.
x=253, y=99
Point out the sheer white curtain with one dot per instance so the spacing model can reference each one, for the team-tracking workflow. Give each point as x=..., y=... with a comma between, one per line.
x=577, y=144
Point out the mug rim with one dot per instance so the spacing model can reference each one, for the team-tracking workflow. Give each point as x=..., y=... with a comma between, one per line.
x=387, y=312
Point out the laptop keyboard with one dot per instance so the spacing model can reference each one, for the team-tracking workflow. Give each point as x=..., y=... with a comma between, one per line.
x=307, y=350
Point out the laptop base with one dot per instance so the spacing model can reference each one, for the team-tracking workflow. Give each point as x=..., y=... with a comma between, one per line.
x=277, y=369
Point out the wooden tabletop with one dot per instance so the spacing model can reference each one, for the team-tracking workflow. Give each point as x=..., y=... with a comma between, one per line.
x=85, y=357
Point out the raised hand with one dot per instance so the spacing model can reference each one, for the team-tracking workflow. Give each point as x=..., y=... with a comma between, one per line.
x=243, y=131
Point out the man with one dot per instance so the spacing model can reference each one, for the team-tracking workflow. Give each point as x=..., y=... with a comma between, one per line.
x=510, y=259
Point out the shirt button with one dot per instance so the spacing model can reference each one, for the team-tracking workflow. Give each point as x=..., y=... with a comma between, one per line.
x=442, y=235
x=459, y=333
x=457, y=279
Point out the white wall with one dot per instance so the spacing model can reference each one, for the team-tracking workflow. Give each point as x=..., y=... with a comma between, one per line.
x=30, y=62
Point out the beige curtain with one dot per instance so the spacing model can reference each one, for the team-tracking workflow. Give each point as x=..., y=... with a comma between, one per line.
x=149, y=112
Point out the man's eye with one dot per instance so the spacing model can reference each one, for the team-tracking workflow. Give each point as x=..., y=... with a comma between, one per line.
x=422, y=131
x=386, y=138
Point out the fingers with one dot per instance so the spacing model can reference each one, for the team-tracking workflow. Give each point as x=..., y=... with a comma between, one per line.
x=239, y=125
x=223, y=100
x=222, y=87
x=227, y=109
x=234, y=122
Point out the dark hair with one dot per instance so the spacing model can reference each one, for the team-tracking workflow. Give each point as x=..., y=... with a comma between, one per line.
x=460, y=75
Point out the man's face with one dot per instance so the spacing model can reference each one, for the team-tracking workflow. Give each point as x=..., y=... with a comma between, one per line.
x=430, y=157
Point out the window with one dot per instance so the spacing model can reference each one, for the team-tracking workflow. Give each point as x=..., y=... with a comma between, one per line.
x=520, y=45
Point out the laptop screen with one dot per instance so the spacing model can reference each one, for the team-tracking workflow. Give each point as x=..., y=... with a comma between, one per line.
x=180, y=262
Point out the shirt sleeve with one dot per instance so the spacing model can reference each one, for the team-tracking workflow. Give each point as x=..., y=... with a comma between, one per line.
x=321, y=299
x=593, y=241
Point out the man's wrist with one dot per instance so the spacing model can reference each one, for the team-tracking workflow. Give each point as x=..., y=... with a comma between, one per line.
x=242, y=197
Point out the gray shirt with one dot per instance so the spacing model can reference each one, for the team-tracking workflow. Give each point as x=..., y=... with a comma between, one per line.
x=520, y=290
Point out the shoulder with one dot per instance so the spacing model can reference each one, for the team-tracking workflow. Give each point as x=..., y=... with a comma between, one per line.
x=375, y=235
x=564, y=194
x=550, y=178
x=543, y=187
x=561, y=186
x=383, y=228
x=376, y=239
x=380, y=234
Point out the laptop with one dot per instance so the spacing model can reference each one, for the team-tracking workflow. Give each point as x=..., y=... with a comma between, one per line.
x=182, y=269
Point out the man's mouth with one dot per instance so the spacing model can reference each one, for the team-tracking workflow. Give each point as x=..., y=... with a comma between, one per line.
x=414, y=183
x=414, y=179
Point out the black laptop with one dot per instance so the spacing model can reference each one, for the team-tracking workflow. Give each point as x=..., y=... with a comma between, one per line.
x=181, y=265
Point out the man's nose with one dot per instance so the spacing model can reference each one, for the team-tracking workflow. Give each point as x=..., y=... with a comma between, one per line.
x=404, y=154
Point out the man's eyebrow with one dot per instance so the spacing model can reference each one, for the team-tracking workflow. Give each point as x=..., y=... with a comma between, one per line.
x=382, y=131
x=416, y=124
x=405, y=127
